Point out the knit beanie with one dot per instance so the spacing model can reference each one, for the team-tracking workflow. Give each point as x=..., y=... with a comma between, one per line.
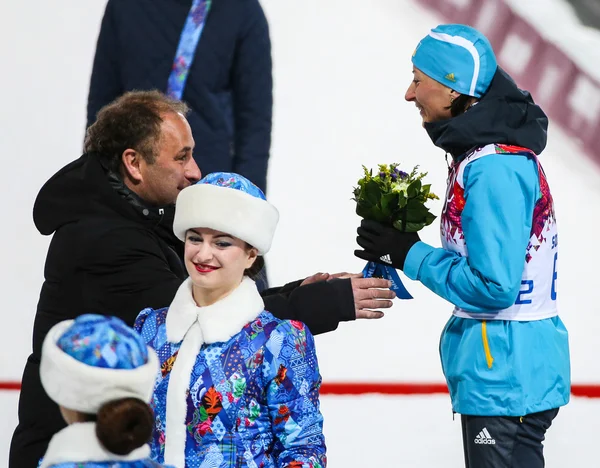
x=457, y=56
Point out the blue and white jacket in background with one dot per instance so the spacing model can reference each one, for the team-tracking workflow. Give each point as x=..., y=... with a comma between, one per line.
x=505, y=351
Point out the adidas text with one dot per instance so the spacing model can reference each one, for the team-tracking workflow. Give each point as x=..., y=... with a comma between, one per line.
x=485, y=441
x=484, y=438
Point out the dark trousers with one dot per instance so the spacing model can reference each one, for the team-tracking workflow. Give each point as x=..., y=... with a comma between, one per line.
x=505, y=442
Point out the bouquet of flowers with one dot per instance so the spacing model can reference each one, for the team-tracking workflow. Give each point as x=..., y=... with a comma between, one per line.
x=395, y=198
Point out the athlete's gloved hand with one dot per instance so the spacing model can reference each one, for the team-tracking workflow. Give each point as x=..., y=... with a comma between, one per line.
x=384, y=244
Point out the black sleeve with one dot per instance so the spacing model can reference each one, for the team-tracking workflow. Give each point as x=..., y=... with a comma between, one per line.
x=285, y=289
x=126, y=273
x=321, y=306
x=252, y=84
x=105, y=82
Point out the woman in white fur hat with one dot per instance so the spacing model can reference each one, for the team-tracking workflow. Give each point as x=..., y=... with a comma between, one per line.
x=101, y=374
x=237, y=387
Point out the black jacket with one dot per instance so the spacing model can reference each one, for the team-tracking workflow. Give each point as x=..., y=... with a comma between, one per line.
x=229, y=87
x=113, y=255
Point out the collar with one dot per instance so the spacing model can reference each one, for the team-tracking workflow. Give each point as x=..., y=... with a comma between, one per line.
x=77, y=443
x=160, y=218
x=155, y=213
x=219, y=321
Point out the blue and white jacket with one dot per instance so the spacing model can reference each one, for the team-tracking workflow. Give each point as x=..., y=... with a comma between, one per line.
x=505, y=351
x=238, y=387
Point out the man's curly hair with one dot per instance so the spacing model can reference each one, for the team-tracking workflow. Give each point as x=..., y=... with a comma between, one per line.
x=131, y=121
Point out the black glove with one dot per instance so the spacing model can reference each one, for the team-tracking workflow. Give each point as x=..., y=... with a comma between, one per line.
x=384, y=244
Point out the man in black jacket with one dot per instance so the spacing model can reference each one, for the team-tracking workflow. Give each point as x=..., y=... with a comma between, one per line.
x=114, y=252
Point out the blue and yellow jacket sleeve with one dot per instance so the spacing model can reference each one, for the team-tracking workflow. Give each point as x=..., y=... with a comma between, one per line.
x=500, y=195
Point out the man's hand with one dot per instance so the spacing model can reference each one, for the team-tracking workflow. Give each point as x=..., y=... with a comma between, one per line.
x=368, y=293
x=326, y=277
x=315, y=278
x=371, y=293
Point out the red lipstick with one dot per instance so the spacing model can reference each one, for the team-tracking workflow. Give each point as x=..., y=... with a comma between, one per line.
x=205, y=268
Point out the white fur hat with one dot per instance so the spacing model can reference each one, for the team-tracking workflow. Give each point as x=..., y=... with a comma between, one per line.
x=95, y=359
x=229, y=203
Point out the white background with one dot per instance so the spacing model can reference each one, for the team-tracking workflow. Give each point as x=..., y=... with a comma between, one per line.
x=341, y=70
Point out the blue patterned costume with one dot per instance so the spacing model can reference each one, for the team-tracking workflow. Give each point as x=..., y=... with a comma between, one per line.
x=237, y=388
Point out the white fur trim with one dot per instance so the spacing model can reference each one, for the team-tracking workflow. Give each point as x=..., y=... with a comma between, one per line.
x=227, y=210
x=179, y=384
x=182, y=312
x=78, y=443
x=196, y=326
x=219, y=321
x=81, y=387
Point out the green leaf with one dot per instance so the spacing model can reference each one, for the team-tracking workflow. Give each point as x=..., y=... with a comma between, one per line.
x=414, y=189
x=378, y=215
x=389, y=204
x=410, y=227
x=414, y=227
x=429, y=218
x=371, y=192
x=364, y=210
x=415, y=211
x=401, y=200
x=398, y=224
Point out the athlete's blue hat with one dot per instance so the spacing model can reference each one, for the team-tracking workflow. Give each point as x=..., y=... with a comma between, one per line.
x=459, y=57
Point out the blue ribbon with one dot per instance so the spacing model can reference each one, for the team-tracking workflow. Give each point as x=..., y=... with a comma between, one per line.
x=186, y=50
x=377, y=270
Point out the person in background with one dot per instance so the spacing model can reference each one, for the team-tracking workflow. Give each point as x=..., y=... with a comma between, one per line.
x=213, y=55
x=505, y=350
x=101, y=374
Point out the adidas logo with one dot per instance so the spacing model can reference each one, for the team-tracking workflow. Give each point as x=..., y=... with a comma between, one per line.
x=484, y=438
x=450, y=77
x=386, y=258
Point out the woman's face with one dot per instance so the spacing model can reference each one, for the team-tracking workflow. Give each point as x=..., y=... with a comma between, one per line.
x=432, y=98
x=216, y=261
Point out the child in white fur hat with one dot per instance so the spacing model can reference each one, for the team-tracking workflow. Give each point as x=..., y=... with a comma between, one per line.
x=237, y=387
x=101, y=374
